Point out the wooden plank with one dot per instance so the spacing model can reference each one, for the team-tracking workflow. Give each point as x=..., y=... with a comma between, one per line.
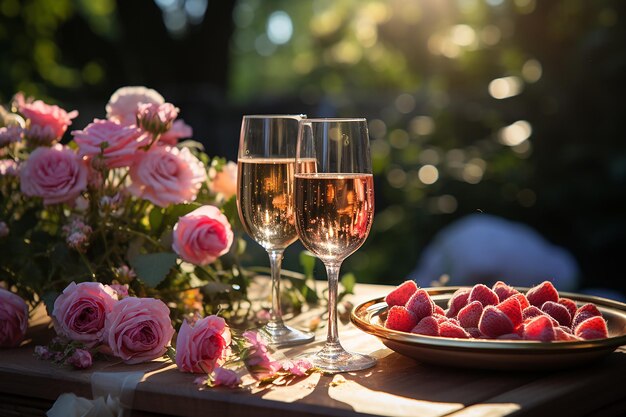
x=414, y=388
x=576, y=392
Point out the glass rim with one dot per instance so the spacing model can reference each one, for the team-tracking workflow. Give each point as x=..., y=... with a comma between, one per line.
x=300, y=116
x=334, y=119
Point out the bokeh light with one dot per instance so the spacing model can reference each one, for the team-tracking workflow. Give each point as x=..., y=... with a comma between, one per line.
x=505, y=87
x=279, y=28
x=428, y=174
x=515, y=133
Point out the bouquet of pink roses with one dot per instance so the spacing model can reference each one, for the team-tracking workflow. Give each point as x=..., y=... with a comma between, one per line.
x=120, y=201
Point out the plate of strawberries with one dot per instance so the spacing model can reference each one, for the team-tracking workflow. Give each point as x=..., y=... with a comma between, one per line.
x=497, y=327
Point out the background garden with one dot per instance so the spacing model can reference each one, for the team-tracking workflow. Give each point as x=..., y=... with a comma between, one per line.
x=506, y=107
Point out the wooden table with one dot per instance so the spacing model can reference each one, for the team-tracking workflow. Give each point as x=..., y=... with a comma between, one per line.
x=397, y=386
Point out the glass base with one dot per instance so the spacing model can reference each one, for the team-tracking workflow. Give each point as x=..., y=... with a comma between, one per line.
x=280, y=335
x=333, y=359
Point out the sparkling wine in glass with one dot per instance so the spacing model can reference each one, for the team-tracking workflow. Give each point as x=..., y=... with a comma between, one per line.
x=334, y=211
x=266, y=167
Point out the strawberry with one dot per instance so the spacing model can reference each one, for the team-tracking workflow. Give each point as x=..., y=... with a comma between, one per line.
x=470, y=314
x=401, y=294
x=523, y=301
x=439, y=318
x=570, y=305
x=503, y=291
x=540, y=328
x=530, y=312
x=449, y=329
x=558, y=312
x=399, y=318
x=541, y=293
x=564, y=334
x=484, y=294
x=474, y=332
x=510, y=336
x=457, y=301
x=513, y=310
x=592, y=328
x=439, y=310
x=454, y=321
x=494, y=322
x=421, y=304
x=583, y=313
x=427, y=326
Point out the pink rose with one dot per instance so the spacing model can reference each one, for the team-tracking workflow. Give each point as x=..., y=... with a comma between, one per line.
x=224, y=182
x=202, y=236
x=179, y=130
x=156, y=118
x=122, y=142
x=80, y=312
x=201, y=347
x=80, y=359
x=56, y=174
x=138, y=329
x=167, y=176
x=13, y=319
x=122, y=106
x=52, y=119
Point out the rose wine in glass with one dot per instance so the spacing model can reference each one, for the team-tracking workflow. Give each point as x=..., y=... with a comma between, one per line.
x=334, y=212
x=266, y=168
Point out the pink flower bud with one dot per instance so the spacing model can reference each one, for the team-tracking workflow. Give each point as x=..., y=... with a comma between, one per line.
x=80, y=359
x=9, y=168
x=10, y=134
x=156, y=118
x=43, y=353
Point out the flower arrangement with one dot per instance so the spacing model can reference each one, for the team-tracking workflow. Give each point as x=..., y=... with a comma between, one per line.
x=126, y=233
x=123, y=202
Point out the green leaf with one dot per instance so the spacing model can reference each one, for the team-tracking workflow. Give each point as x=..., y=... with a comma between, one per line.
x=48, y=300
x=152, y=268
x=191, y=144
x=230, y=211
x=307, y=260
x=347, y=282
x=173, y=213
x=155, y=218
x=216, y=288
x=134, y=248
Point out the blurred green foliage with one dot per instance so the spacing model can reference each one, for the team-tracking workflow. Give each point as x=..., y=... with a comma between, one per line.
x=511, y=107
x=503, y=106
x=31, y=50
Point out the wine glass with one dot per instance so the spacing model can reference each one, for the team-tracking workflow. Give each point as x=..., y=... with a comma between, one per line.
x=266, y=163
x=334, y=201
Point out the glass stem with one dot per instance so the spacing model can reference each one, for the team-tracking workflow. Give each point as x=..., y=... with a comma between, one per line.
x=332, y=271
x=276, y=313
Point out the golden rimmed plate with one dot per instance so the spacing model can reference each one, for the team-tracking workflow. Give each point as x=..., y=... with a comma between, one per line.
x=494, y=354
